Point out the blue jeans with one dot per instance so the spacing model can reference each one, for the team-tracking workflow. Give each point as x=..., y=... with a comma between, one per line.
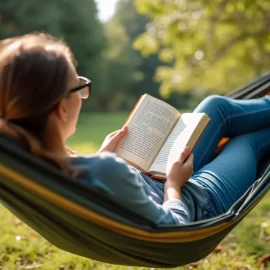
x=227, y=176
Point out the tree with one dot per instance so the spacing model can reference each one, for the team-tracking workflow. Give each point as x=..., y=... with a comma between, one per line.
x=120, y=63
x=121, y=59
x=130, y=74
x=76, y=23
x=214, y=45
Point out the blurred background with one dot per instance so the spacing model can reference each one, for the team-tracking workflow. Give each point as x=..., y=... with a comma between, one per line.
x=177, y=50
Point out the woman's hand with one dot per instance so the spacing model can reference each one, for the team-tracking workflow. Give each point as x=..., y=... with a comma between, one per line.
x=111, y=141
x=178, y=174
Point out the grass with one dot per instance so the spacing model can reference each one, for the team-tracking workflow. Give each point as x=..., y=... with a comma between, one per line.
x=23, y=248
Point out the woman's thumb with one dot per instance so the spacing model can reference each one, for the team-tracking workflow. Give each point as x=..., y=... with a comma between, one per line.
x=122, y=132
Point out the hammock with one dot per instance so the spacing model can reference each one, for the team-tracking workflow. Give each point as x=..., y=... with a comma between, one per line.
x=84, y=222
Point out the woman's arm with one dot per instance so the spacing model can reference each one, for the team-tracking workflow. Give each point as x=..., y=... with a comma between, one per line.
x=178, y=174
x=111, y=175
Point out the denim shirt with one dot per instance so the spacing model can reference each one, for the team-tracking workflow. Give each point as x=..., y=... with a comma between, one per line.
x=111, y=175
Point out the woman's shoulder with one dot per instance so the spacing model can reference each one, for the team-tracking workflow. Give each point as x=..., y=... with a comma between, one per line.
x=99, y=163
x=104, y=157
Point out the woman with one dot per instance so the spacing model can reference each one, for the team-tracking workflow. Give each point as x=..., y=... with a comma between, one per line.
x=40, y=101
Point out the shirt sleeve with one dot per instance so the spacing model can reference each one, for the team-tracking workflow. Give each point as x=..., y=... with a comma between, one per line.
x=111, y=175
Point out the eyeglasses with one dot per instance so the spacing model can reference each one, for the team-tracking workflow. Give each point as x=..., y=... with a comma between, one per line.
x=84, y=87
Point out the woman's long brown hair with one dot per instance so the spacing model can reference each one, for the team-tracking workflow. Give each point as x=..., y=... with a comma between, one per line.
x=33, y=79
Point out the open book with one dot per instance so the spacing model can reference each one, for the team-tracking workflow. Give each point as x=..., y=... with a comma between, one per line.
x=157, y=132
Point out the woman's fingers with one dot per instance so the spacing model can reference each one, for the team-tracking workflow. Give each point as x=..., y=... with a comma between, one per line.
x=190, y=159
x=112, y=140
x=180, y=171
x=184, y=154
x=119, y=134
x=112, y=134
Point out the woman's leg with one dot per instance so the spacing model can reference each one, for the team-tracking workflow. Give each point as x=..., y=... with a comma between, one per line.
x=234, y=170
x=229, y=117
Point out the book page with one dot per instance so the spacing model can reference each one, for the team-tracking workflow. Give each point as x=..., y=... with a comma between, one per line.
x=148, y=128
x=185, y=133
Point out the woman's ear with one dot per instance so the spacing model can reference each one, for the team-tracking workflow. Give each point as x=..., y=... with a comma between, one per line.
x=62, y=110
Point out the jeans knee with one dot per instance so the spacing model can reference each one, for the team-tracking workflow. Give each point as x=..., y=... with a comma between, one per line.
x=215, y=106
x=215, y=101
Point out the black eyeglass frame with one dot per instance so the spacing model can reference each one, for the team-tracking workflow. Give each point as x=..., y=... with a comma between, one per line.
x=87, y=84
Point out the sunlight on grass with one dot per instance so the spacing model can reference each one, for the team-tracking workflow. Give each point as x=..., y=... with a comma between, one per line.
x=84, y=148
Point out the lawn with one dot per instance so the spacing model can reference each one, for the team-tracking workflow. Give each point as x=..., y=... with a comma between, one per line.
x=23, y=248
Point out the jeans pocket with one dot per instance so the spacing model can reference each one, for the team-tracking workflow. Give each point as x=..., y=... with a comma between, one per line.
x=209, y=211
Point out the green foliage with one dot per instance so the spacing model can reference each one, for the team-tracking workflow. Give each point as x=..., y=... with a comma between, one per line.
x=120, y=64
x=215, y=45
x=129, y=74
x=105, y=53
x=121, y=59
x=74, y=22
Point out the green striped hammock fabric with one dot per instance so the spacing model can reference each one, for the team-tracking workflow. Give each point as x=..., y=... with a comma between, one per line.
x=82, y=221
